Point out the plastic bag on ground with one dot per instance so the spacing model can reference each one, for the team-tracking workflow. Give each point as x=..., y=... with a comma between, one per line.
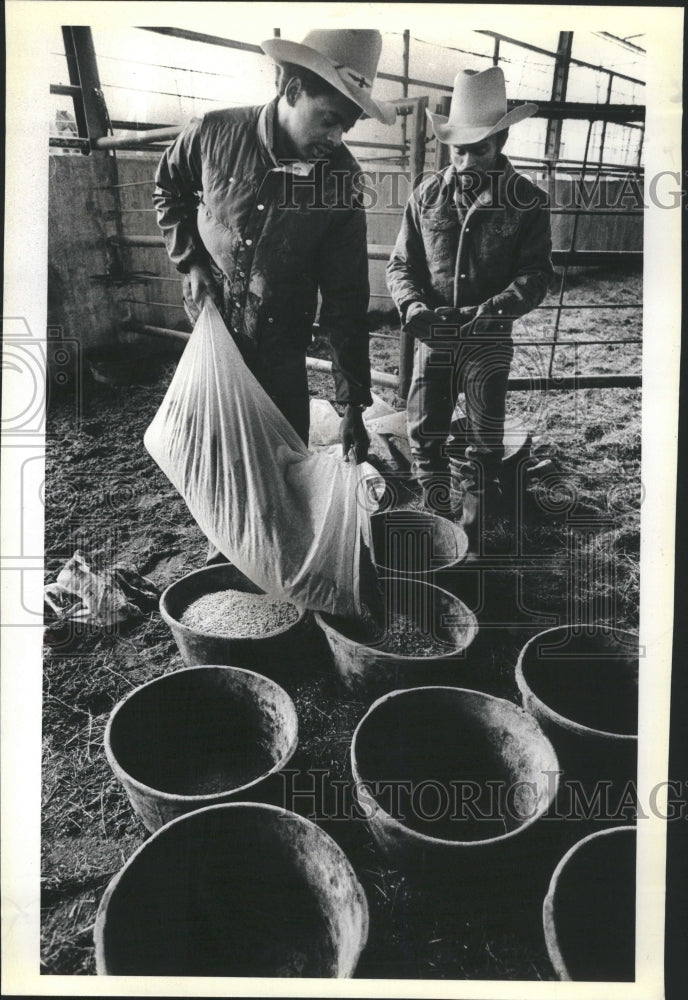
x=291, y=521
x=99, y=596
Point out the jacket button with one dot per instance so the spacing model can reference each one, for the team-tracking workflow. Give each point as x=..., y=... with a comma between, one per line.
x=462, y=275
x=248, y=242
x=260, y=207
x=270, y=319
x=241, y=274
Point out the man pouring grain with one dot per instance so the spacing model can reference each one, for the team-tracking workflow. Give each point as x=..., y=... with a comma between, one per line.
x=473, y=254
x=260, y=209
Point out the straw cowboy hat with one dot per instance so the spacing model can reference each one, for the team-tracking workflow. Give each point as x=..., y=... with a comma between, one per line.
x=478, y=109
x=346, y=58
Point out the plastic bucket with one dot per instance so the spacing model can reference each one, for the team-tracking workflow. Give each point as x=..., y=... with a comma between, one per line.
x=264, y=652
x=582, y=687
x=416, y=543
x=367, y=669
x=200, y=736
x=450, y=777
x=233, y=890
x=589, y=911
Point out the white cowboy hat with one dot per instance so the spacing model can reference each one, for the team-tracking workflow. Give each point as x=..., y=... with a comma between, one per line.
x=346, y=58
x=478, y=109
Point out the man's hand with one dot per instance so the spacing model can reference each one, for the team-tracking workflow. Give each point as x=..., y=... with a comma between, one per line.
x=425, y=324
x=419, y=321
x=353, y=434
x=457, y=316
x=198, y=284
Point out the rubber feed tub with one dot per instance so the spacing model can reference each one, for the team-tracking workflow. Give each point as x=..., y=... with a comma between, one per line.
x=416, y=543
x=266, y=653
x=233, y=890
x=452, y=777
x=582, y=687
x=589, y=911
x=200, y=736
x=367, y=670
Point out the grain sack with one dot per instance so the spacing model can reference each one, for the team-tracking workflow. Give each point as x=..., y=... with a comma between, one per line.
x=293, y=522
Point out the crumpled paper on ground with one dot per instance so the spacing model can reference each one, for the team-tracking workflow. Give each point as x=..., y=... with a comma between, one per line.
x=100, y=597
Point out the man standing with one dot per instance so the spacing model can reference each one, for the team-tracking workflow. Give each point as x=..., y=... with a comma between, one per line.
x=473, y=254
x=260, y=210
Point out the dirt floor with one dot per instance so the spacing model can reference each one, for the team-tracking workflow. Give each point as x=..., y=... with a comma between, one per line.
x=579, y=545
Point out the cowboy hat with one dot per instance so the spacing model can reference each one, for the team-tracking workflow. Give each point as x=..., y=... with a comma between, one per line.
x=346, y=58
x=478, y=109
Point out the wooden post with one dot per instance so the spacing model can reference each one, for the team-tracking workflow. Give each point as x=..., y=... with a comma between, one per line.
x=559, y=82
x=92, y=115
x=441, y=148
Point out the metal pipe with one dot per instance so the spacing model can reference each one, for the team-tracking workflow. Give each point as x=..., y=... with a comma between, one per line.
x=140, y=139
x=576, y=258
x=69, y=143
x=405, y=85
x=128, y=126
x=377, y=145
x=315, y=364
x=63, y=90
x=387, y=381
x=573, y=382
x=137, y=241
x=199, y=36
x=552, y=55
x=562, y=290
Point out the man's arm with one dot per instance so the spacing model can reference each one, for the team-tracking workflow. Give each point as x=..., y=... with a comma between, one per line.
x=342, y=271
x=345, y=291
x=407, y=271
x=178, y=181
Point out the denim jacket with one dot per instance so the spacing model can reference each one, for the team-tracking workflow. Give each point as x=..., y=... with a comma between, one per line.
x=495, y=256
x=278, y=233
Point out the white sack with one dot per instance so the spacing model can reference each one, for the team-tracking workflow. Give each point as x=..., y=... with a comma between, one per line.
x=290, y=520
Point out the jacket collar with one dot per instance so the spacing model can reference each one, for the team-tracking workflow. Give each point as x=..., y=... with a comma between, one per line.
x=266, y=129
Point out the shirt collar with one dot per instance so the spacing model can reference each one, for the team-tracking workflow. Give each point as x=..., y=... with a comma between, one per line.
x=267, y=125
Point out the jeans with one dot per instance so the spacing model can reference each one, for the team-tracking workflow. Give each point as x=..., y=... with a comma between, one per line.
x=477, y=366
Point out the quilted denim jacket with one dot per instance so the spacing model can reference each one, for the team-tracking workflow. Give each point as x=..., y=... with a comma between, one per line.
x=278, y=233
